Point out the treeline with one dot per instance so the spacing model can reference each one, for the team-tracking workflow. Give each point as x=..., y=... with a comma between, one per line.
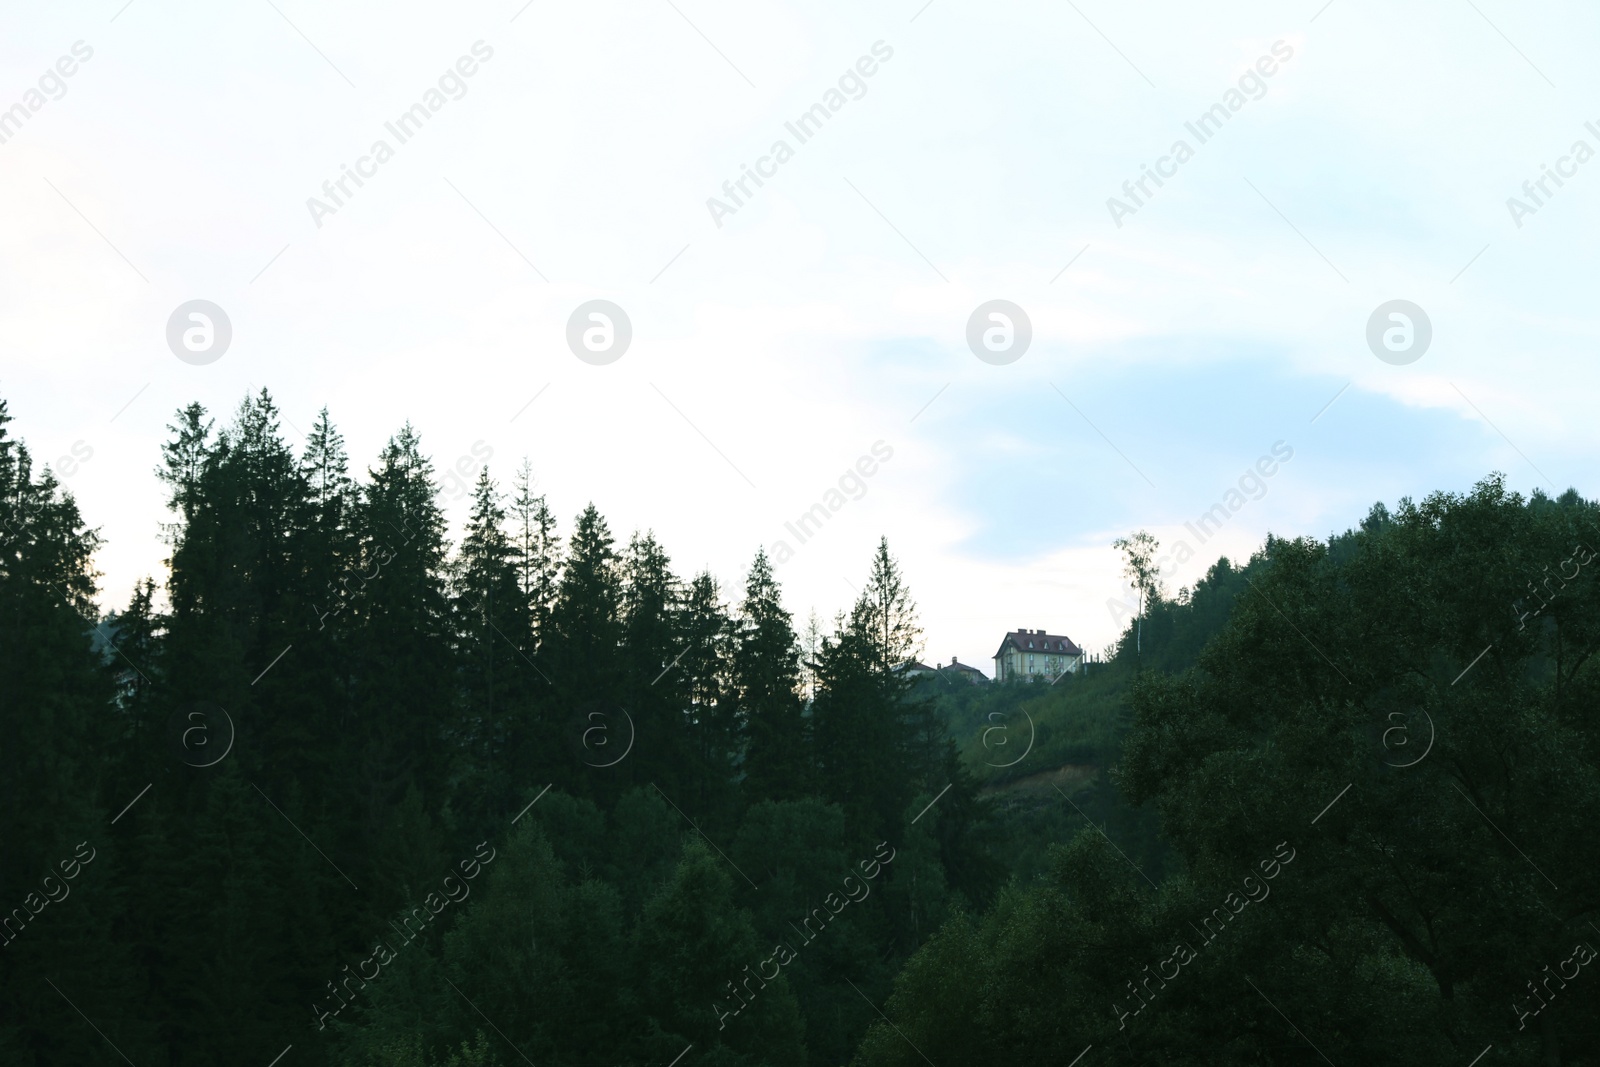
x=1376, y=765
x=650, y=782
x=532, y=797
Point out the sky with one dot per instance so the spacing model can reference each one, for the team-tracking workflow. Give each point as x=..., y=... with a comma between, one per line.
x=1179, y=334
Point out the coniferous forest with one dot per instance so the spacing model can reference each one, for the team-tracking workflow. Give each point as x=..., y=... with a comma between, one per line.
x=344, y=786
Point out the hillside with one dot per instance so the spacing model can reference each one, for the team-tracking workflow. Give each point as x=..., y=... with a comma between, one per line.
x=1072, y=732
x=1376, y=786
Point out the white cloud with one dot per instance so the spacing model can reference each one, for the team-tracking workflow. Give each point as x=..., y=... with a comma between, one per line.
x=809, y=326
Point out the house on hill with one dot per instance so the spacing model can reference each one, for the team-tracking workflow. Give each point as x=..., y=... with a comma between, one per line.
x=962, y=672
x=957, y=670
x=1033, y=655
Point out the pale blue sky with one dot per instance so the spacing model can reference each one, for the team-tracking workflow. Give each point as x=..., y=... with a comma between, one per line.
x=824, y=315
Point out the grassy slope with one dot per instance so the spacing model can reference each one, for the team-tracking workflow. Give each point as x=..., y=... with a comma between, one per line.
x=1077, y=727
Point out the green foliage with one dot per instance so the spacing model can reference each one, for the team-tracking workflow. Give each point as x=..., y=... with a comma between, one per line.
x=766, y=685
x=1438, y=808
x=56, y=692
x=390, y=705
x=408, y=1052
x=1385, y=741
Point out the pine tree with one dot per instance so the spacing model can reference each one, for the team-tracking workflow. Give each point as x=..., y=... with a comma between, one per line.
x=766, y=679
x=401, y=693
x=137, y=634
x=585, y=660
x=185, y=458
x=656, y=687
x=886, y=616
x=494, y=640
x=56, y=719
x=330, y=564
x=135, y=641
x=810, y=653
x=238, y=590
x=710, y=717
x=586, y=618
x=325, y=465
x=875, y=745
x=538, y=553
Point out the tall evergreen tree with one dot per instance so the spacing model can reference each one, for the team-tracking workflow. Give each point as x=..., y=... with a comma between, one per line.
x=184, y=459
x=538, y=552
x=586, y=668
x=56, y=694
x=402, y=695
x=873, y=740
x=710, y=719
x=886, y=616
x=766, y=679
x=325, y=465
x=494, y=642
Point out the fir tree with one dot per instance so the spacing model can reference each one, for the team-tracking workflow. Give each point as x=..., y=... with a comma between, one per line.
x=538, y=553
x=493, y=641
x=766, y=680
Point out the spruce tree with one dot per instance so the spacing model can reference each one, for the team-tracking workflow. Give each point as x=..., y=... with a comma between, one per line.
x=494, y=640
x=585, y=662
x=709, y=719
x=872, y=740
x=538, y=553
x=402, y=695
x=57, y=726
x=766, y=680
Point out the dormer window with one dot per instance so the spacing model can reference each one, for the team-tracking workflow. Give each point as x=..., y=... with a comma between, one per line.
x=1015, y=657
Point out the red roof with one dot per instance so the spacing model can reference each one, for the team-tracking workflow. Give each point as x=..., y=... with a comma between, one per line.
x=1038, y=641
x=957, y=665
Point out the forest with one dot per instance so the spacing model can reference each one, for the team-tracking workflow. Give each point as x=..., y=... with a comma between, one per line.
x=345, y=787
